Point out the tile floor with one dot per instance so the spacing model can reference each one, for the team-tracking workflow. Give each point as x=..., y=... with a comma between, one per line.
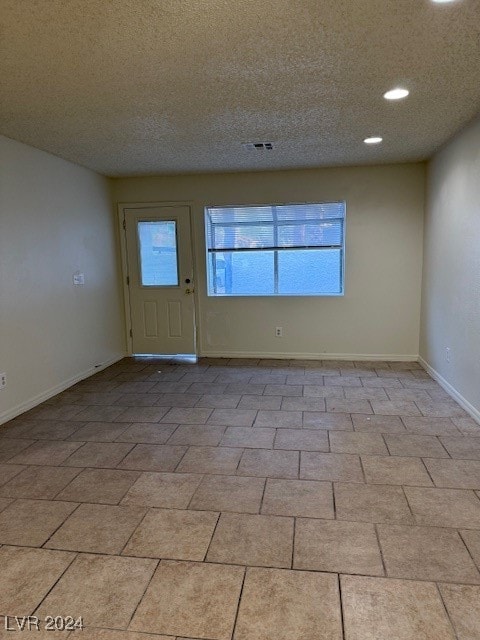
x=244, y=500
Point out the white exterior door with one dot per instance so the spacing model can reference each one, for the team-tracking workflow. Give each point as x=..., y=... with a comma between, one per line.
x=160, y=279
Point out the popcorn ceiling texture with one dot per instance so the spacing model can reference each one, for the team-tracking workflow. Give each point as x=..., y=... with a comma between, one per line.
x=135, y=87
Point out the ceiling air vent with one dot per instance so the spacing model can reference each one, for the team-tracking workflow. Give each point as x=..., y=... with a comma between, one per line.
x=258, y=146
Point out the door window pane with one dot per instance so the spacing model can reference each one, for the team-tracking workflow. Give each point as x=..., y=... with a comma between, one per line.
x=158, y=253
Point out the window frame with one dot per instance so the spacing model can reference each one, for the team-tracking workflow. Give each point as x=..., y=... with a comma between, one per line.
x=276, y=250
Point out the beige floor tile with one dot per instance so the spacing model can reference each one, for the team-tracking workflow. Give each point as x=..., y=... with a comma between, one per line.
x=462, y=447
x=17, y=428
x=140, y=386
x=371, y=503
x=229, y=493
x=248, y=437
x=4, y=502
x=467, y=426
x=343, y=381
x=395, y=408
x=383, y=381
x=357, y=443
x=220, y=401
x=153, y=457
x=444, y=507
x=93, y=398
x=24, y=632
x=38, y=482
x=267, y=403
x=395, y=470
x=167, y=490
x=99, y=431
x=330, y=466
x=173, y=534
x=337, y=405
x=303, y=404
x=8, y=471
x=252, y=540
x=411, y=395
x=463, y=606
x=244, y=388
x=44, y=452
x=99, y=454
x=419, y=383
x=455, y=474
x=341, y=547
x=31, y=522
x=105, y=486
x=100, y=414
x=139, y=400
x=289, y=390
x=271, y=464
x=472, y=540
x=222, y=460
x=27, y=575
x=108, y=634
x=53, y=430
x=170, y=387
x=306, y=498
x=384, y=609
x=279, y=419
x=283, y=605
x=206, y=388
x=233, y=417
x=436, y=408
x=195, y=600
x=319, y=391
x=185, y=415
x=97, y=528
x=197, y=434
x=378, y=424
x=104, y=590
x=430, y=426
x=426, y=553
x=302, y=439
x=147, y=432
x=413, y=445
x=177, y=400
x=143, y=414
x=330, y=421
x=365, y=393
x=57, y=412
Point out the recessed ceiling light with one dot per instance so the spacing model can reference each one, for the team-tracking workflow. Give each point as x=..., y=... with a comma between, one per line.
x=442, y=1
x=396, y=94
x=374, y=140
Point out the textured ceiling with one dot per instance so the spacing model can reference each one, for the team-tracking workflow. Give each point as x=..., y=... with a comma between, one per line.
x=132, y=87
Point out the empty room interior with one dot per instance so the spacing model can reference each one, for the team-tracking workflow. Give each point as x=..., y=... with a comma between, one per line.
x=240, y=319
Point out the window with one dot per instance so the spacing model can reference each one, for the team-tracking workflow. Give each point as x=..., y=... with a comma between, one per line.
x=158, y=253
x=278, y=250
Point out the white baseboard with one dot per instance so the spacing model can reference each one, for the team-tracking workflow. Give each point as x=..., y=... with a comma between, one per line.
x=309, y=356
x=465, y=404
x=49, y=393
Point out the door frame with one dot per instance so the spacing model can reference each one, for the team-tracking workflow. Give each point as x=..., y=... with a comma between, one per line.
x=121, y=211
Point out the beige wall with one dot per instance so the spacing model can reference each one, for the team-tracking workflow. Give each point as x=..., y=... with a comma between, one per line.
x=55, y=218
x=451, y=281
x=380, y=312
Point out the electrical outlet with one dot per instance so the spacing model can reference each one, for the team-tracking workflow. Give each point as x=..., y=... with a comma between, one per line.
x=447, y=354
x=279, y=332
x=3, y=380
